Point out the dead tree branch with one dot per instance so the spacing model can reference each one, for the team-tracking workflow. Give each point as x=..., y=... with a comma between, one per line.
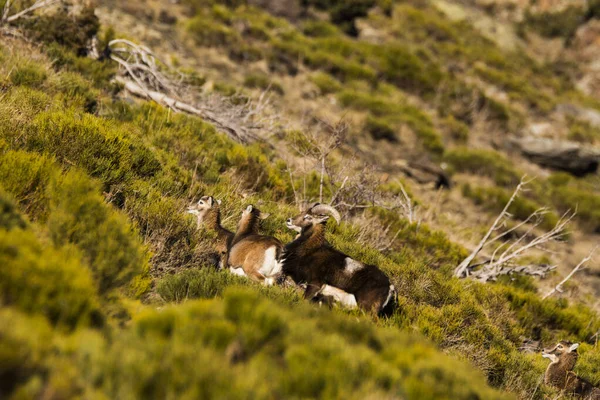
x=5, y=12
x=558, y=288
x=461, y=270
x=146, y=76
x=504, y=255
x=37, y=5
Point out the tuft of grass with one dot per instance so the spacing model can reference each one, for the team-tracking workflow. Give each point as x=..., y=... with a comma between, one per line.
x=484, y=162
x=46, y=280
x=28, y=74
x=380, y=129
x=494, y=199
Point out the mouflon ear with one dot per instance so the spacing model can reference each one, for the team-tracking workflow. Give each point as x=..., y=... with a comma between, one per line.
x=219, y=202
x=573, y=347
x=210, y=201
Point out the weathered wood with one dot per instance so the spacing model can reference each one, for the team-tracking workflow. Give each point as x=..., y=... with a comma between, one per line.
x=234, y=131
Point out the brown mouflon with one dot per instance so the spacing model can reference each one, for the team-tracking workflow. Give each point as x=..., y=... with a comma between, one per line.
x=208, y=212
x=257, y=255
x=559, y=374
x=310, y=260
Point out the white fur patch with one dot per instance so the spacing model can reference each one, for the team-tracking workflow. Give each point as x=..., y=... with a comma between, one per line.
x=344, y=298
x=389, y=296
x=271, y=267
x=237, y=271
x=352, y=266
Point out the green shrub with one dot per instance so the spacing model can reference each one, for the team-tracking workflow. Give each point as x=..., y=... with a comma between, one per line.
x=457, y=129
x=25, y=346
x=71, y=31
x=262, y=81
x=207, y=32
x=316, y=28
x=28, y=74
x=99, y=72
x=44, y=280
x=10, y=217
x=587, y=204
x=103, y=150
x=380, y=129
x=325, y=82
x=405, y=69
x=583, y=133
x=25, y=176
x=77, y=92
x=484, y=162
x=556, y=24
x=400, y=111
x=78, y=215
x=203, y=283
x=494, y=199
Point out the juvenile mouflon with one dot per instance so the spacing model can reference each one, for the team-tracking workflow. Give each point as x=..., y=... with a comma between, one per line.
x=311, y=260
x=560, y=375
x=208, y=212
x=257, y=255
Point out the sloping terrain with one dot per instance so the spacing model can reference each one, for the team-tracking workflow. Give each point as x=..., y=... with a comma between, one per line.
x=108, y=289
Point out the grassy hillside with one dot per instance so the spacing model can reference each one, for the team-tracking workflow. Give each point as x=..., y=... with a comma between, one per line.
x=108, y=289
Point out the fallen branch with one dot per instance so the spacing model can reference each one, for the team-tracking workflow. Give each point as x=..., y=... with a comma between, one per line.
x=578, y=267
x=487, y=274
x=461, y=270
x=235, y=131
x=37, y=5
x=502, y=260
x=146, y=76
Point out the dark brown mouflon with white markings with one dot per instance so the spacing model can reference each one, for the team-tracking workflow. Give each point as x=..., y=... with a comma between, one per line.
x=208, y=212
x=310, y=260
x=257, y=255
x=560, y=375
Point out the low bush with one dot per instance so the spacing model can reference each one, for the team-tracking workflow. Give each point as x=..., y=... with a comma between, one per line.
x=380, y=129
x=78, y=215
x=44, y=280
x=556, y=24
x=325, y=82
x=104, y=151
x=583, y=132
x=484, y=162
x=585, y=202
x=262, y=81
x=72, y=31
x=25, y=176
x=203, y=283
x=494, y=199
x=28, y=74
x=10, y=217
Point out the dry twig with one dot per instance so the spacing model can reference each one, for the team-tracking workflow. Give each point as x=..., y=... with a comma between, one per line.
x=146, y=76
x=578, y=267
x=504, y=255
x=6, y=18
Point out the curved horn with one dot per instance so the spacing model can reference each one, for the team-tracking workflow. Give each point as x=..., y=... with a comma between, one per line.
x=325, y=209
